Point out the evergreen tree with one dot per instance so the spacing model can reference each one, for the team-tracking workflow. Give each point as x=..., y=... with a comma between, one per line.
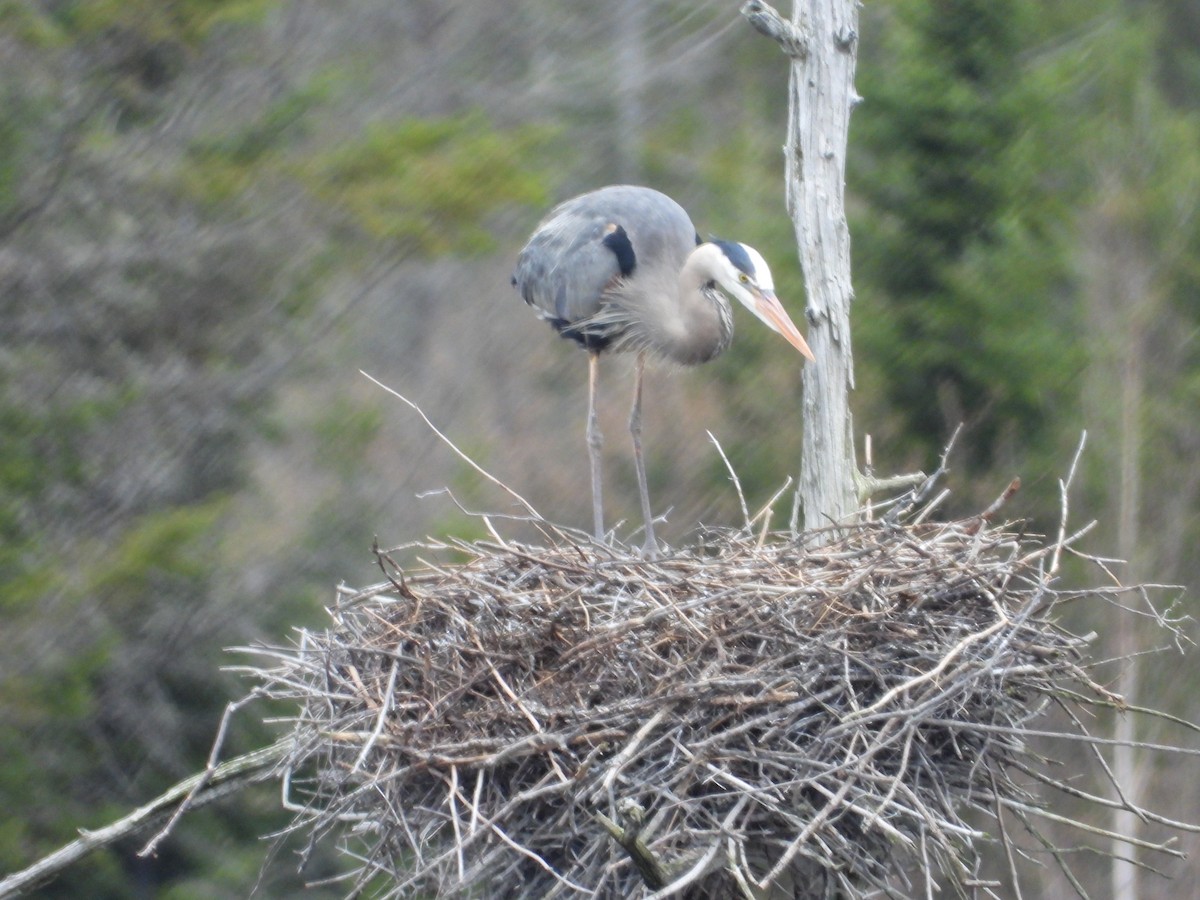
x=958, y=267
x=137, y=354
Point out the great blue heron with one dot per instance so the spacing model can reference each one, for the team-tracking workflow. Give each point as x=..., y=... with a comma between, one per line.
x=623, y=269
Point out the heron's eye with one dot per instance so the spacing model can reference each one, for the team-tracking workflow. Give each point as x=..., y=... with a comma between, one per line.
x=743, y=278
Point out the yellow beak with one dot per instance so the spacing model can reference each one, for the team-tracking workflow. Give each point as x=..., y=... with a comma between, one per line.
x=771, y=311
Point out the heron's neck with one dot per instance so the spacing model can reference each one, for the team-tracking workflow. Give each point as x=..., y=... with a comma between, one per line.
x=706, y=319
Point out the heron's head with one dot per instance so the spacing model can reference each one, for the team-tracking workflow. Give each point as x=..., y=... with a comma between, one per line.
x=741, y=272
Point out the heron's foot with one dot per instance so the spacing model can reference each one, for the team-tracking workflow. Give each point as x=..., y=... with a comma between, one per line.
x=650, y=549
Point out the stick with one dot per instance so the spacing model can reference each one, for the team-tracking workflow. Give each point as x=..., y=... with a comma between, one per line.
x=252, y=767
x=213, y=755
x=449, y=443
x=737, y=484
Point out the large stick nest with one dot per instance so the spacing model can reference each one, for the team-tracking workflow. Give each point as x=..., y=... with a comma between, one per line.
x=747, y=717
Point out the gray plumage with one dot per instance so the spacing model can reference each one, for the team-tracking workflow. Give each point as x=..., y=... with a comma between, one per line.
x=574, y=277
x=622, y=268
x=565, y=269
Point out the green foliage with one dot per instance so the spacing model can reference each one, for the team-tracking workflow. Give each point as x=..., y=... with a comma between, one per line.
x=186, y=21
x=159, y=556
x=1143, y=236
x=38, y=461
x=13, y=141
x=958, y=257
x=429, y=185
x=30, y=24
x=127, y=52
x=132, y=354
x=219, y=169
x=343, y=434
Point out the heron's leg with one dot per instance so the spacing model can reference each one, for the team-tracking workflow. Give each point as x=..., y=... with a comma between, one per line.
x=635, y=429
x=595, y=441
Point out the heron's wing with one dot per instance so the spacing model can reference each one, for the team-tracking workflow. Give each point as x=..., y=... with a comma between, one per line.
x=590, y=244
x=566, y=266
x=597, y=258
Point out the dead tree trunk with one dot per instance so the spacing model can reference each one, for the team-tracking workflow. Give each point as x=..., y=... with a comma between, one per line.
x=822, y=41
x=1122, y=301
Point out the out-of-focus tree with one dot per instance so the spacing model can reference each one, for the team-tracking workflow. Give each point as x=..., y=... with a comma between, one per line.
x=1028, y=240
x=958, y=255
x=137, y=350
x=1175, y=66
x=1139, y=236
x=172, y=206
x=213, y=214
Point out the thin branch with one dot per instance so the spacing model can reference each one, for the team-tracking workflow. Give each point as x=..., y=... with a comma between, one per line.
x=737, y=484
x=453, y=447
x=653, y=873
x=210, y=769
x=232, y=775
x=1064, y=491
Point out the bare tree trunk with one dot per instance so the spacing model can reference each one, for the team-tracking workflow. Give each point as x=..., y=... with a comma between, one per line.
x=1134, y=301
x=1125, y=763
x=822, y=41
x=1122, y=299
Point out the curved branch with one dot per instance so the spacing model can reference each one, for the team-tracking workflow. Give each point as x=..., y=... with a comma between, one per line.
x=224, y=779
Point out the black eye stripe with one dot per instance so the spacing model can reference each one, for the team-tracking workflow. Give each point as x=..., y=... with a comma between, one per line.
x=737, y=255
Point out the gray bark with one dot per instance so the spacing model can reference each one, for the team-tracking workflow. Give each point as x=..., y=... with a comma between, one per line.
x=822, y=41
x=1122, y=300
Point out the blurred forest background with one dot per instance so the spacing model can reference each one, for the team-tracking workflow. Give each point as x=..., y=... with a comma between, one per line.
x=213, y=213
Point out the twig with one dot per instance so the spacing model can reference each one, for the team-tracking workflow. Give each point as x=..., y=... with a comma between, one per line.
x=929, y=675
x=988, y=514
x=653, y=873
x=737, y=484
x=1064, y=487
x=231, y=775
x=702, y=865
x=385, y=709
x=918, y=494
x=454, y=448
x=204, y=777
